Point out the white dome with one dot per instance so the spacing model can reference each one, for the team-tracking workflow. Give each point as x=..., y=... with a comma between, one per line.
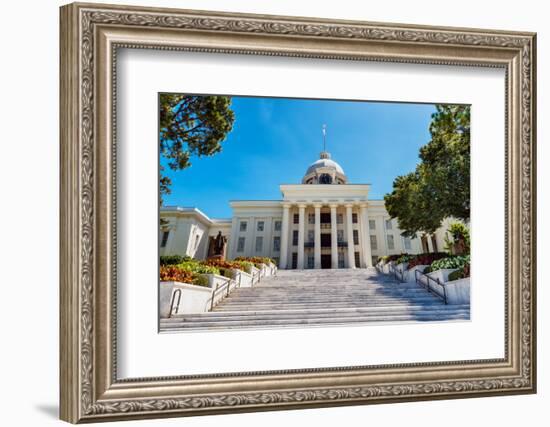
x=324, y=163
x=325, y=171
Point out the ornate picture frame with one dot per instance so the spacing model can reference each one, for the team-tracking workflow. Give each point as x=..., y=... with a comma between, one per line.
x=90, y=37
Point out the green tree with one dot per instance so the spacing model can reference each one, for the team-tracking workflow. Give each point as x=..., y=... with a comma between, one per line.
x=440, y=185
x=191, y=125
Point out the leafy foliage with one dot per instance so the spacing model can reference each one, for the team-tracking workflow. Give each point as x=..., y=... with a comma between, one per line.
x=426, y=258
x=440, y=185
x=461, y=273
x=459, y=241
x=191, y=125
x=198, y=267
x=174, y=273
x=450, y=262
x=256, y=260
x=173, y=259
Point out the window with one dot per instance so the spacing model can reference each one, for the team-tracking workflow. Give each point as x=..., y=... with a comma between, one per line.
x=340, y=235
x=374, y=259
x=341, y=262
x=391, y=245
x=164, y=239
x=310, y=236
x=294, y=259
x=311, y=218
x=354, y=218
x=295, y=237
x=277, y=225
x=407, y=243
x=310, y=261
x=373, y=243
x=259, y=243
x=276, y=243
x=197, y=240
x=372, y=224
x=296, y=219
x=325, y=218
x=242, y=226
x=388, y=224
x=260, y=225
x=358, y=260
x=355, y=237
x=339, y=218
x=240, y=244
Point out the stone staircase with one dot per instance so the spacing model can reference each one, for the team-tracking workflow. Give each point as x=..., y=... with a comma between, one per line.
x=296, y=298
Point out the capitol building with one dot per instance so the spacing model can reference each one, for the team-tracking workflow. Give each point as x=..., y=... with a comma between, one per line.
x=323, y=222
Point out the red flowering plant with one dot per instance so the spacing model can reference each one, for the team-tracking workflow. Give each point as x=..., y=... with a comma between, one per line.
x=170, y=273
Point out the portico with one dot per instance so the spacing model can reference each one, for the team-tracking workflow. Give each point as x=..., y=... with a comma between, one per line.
x=325, y=235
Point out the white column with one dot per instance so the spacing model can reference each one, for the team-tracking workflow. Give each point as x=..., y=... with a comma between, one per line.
x=283, y=260
x=429, y=241
x=301, y=224
x=365, y=236
x=349, y=226
x=333, y=236
x=317, y=247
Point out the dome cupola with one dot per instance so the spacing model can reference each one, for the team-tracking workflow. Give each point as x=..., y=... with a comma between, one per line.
x=325, y=171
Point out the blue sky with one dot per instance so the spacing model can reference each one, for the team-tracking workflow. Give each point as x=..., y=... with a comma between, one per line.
x=274, y=140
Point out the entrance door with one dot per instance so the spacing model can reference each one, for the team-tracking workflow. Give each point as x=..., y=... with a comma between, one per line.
x=326, y=261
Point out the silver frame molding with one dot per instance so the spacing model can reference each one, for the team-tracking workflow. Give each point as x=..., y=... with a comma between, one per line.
x=90, y=36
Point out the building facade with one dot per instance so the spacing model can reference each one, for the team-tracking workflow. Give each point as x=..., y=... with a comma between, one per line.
x=323, y=222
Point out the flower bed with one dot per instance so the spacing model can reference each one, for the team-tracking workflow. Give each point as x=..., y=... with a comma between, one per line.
x=173, y=259
x=256, y=260
x=172, y=273
x=425, y=258
x=232, y=265
x=461, y=273
x=449, y=262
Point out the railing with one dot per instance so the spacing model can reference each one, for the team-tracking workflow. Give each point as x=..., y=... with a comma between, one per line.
x=172, y=311
x=225, y=287
x=256, y=277
x=418, y=275
x=397, y=273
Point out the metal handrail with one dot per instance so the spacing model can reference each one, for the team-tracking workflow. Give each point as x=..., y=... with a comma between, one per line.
x=427, y=286
x=178, y=293
x=398, y=274
x=226, y=284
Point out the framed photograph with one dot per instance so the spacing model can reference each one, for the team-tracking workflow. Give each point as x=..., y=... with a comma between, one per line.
x=267, y=212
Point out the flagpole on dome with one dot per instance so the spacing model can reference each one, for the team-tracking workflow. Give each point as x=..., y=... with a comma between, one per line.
x=324, y=153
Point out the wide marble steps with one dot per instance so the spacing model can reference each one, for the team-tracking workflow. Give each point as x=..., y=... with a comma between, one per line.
x=297, y=298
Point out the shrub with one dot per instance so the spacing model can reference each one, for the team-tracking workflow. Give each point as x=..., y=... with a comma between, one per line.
x=459, y=241
x=173, y=259
x=256, y=260
x=200, y=280
x=223, y=264
x=450, y=262
x=461, y=273
x=175, y=274
x=403, y=258
x=244, y=265
x=226, y=272
x=425, y=258
x=198, y=267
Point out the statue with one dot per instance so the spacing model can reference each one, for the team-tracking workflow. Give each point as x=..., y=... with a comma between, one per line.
x=219, y=244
